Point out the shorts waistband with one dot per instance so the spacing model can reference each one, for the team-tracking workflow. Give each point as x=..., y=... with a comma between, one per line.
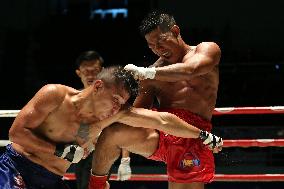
x=189, y=117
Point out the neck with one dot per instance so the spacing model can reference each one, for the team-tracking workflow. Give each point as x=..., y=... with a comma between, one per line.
x=185, y=49
x=83, y=104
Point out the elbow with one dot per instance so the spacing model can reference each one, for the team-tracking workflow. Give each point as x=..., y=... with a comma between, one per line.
x=216, y=53
x=16, y=136
x=12, y=135
x=217, y=58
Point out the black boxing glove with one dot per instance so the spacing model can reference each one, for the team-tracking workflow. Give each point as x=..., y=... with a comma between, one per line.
x=210, y=140
x=71, y=153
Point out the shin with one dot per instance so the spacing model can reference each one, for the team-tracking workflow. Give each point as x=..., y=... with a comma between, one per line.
x=106, y=152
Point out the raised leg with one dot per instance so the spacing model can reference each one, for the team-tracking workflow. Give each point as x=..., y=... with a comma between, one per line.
x=117, y=136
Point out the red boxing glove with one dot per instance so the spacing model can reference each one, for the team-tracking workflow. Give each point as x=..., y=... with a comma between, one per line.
x=98, y=182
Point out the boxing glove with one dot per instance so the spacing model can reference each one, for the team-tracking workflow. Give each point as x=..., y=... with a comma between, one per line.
x=71, y=153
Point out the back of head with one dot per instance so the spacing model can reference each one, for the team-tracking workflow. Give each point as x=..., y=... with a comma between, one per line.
x=89, y=56
x=117, y=76
x=156, y=19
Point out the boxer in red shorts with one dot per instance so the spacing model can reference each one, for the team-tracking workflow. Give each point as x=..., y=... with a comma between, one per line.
x=187, y=159
x=185, y=81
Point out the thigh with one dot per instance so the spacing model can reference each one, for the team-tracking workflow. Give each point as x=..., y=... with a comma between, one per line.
x=135, y=139
x=194, y=185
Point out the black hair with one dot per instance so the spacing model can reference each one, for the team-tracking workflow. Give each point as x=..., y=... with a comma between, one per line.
x=88, y=56
x=154, y=19
x=116, y=75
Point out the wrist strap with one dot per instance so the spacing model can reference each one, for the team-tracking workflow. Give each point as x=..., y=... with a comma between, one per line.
x=125, y=160
x=59, y=149
x=203, y=135
x=150, y=73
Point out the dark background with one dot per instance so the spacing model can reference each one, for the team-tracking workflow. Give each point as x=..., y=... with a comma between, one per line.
x=40, y=40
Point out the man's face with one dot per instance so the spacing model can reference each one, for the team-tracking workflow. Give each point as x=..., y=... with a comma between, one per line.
x=109, y=100
x=165, y=45
x=88, y=71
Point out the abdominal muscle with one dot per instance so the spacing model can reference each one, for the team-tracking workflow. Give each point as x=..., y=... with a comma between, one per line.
x=191, y=101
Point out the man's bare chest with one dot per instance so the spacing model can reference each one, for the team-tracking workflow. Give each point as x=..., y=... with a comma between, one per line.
x=171, y=88
x=61, y=129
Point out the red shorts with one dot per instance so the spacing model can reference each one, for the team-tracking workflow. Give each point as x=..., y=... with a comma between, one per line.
x=188, y=160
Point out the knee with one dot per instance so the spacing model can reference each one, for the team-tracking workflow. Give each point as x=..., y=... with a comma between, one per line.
x=112, y=132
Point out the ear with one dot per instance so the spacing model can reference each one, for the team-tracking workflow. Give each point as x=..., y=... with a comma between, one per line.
x=78, y=73
x=98, y=84
x=175, y=30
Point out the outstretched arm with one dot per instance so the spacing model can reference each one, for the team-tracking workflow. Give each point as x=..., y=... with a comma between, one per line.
x=206, y=57
x=169, y=123
x=163, y=121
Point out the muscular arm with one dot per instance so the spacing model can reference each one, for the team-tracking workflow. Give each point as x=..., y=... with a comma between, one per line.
x=207, y=56
x=31, y=117
x=144, y=100
x=163, y=121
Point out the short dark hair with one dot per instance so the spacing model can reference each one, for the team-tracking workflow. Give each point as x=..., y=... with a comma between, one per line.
x=154, y=19
x=88, y=56
x=118, y=76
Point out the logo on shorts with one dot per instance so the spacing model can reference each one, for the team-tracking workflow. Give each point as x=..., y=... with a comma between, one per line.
x=19, y=182
x=188, y=161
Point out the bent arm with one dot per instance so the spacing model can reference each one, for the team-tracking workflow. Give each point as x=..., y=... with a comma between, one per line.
x=163, y=121
x=207, y=57
x=31, y=117
x=144, y=100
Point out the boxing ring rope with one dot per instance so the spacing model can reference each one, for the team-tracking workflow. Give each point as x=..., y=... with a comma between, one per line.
x=9, y=113
x=228, y=143
x=249, y=110
x=217, y=111
x=217, y=177
x=244, y=143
